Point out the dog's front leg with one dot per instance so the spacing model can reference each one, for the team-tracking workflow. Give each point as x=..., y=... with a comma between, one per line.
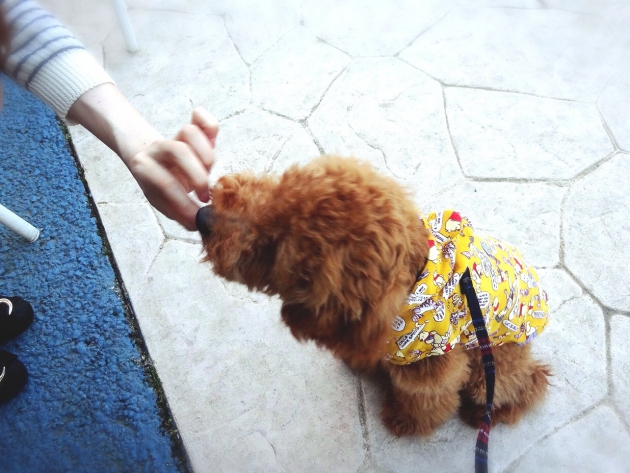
x=425, y=393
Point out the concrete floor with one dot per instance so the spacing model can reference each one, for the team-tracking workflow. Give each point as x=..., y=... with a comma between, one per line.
x=516, y=112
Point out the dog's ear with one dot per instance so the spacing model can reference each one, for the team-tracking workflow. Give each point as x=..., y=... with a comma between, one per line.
x=226, y=191
x=244, y=193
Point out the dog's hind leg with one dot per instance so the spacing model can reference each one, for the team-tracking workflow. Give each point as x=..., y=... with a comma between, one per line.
x=424, y=394
x=520, y=383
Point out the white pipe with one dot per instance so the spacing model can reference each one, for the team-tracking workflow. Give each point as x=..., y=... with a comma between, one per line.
x=18, y=225
x=125, y=25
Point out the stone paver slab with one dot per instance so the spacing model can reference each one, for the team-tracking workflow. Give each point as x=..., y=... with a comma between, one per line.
x=166, y=79
x=618, y=21
x=385, y=112
x=614, y=103
x=594, y=7
x=620, y=360
x=525, y=215
x=261, y=399
x=299, y=149
x=173, y=229
x=254, y=140
x=507, y=135
x=291, y=77
x=410, y=454
x=532, y=51
x=256, y=26
x=594, y=228
x=216, y=7
x=579, y=380
x=109, y=179
x=127, y=225
x=502, y=3
x=559, y=287
x=595, y=443
x=367, y=28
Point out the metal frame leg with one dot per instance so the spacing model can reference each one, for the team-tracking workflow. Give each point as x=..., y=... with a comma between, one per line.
x=18, y=225
x=125, y=25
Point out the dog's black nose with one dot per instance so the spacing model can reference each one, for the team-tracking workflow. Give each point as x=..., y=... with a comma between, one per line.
x=204, y=220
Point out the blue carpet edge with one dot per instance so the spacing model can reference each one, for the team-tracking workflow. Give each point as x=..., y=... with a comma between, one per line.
x=167, y=420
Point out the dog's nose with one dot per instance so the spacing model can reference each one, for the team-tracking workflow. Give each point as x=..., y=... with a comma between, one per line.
x=204, y=220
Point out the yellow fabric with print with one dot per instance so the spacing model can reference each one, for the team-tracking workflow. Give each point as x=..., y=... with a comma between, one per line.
x=435, y=319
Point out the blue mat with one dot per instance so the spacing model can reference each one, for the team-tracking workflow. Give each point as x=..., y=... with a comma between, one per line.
x=87, y=406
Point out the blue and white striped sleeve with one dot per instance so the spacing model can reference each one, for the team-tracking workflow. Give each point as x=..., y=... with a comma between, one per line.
x=46, y=59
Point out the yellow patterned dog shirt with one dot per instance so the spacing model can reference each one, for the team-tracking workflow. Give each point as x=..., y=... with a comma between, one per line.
x=436, y=318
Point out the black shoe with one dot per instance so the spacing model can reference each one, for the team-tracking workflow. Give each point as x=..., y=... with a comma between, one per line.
x=13, y=376
x=15, y=316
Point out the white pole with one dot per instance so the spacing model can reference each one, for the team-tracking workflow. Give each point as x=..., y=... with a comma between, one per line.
x=18, y=225
x=125, y=25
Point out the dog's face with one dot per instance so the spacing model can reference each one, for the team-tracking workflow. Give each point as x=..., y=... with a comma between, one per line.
x=337, y=242
x=238, y=231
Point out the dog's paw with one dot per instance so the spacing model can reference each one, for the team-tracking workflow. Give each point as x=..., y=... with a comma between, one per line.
x=470, y=412
x=401, y=423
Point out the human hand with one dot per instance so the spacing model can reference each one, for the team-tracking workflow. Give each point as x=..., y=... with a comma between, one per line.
x=167, y=170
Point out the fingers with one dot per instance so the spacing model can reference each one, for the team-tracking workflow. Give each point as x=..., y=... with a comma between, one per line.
x=165, y=192
x=199, y=142
x=168, y=169
x=177, y=205
x=183, y=162
x=207, y=122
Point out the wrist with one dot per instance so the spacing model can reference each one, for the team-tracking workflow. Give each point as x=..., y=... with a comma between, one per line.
x=106, y=113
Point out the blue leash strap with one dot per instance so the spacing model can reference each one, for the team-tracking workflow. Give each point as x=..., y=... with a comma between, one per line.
x=481, y=448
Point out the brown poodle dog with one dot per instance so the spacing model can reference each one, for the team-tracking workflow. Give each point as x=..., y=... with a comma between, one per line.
x=342, y=246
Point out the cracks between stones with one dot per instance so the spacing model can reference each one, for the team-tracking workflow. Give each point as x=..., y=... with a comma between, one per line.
x=240, y=55
x=514, y=464
x=609, y=132
x=396, y=55
x=275, y=454
x=238, y=298
x=304, y=124
x=489, y=89
x=277, y=153
x=321, y=40
x=363, y=415
x=608, y=398
x=321, y=99
x=375, y=148
x=568, y=183
x=607, y=313
x=450, y=135
x=607, y=335
x=272, y=45
x=368, y=460
x=235, y=114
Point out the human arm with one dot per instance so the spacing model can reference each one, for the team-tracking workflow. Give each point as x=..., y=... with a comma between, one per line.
x=46, y=59
x=166, y=170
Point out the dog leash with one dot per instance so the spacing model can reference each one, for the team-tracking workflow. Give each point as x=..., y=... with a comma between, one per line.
x=481, y=448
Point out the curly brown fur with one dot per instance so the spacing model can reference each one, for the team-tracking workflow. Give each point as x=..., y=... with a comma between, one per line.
x=425, y=394
x=341, y=245
x=521, y=384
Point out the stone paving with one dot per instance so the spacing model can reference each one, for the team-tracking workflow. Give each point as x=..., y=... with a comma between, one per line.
x=516, y=112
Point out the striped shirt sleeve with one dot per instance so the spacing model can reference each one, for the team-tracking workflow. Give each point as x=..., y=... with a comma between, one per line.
x=46, y=59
